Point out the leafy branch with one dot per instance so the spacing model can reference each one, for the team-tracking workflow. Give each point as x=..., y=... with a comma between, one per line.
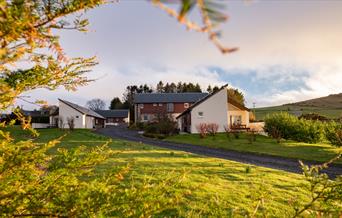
x=211, y=15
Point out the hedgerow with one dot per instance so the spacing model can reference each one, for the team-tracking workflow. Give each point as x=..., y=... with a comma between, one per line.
x=290, y=127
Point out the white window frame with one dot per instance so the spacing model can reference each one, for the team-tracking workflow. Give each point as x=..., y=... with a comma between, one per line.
x=170, y=107
x=186, y=105
x=154, y=104
x=141, y=105
x=145, y=116
x=160, y=104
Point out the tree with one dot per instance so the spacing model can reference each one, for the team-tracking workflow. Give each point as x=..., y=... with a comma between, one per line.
x=209, y=89
x=96, y=104
x=215, y=88
x=116, y=104
x=160, y=87
x=236, y=95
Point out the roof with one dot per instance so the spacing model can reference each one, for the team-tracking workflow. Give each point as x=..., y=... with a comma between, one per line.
x=122, y=113
x=82, y=110
x=187, y=97
x=34, y=113
x=231, y=101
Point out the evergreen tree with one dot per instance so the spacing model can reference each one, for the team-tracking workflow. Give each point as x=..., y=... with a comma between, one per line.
x=116, y=104
x=160, y=87
x=209, y=89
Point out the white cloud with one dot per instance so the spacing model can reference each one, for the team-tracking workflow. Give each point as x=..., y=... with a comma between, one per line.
x=322, y=80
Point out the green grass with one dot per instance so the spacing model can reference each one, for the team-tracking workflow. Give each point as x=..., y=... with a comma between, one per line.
x=205, y=186
x=261, y=113
x=263, y=145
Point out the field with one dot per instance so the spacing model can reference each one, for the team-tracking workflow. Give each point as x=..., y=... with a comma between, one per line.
x=331, y=113
x=328, y=106
x=197, y=186
x=263, y=145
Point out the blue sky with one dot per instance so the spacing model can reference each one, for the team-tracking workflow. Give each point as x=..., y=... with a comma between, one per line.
x=289, y=51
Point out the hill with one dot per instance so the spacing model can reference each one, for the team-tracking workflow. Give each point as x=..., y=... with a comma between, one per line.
x=328, y=106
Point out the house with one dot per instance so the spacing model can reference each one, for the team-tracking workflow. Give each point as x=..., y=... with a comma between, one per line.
x=147, y=106
x=39, y=118
x=114, y=117
x=83, y=118
x=215, y=108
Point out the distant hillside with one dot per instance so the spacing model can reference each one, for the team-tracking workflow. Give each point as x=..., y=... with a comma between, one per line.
x=331, y=102
x=329, y=106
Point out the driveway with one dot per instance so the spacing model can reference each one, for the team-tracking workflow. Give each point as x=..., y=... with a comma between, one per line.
x=280, y=163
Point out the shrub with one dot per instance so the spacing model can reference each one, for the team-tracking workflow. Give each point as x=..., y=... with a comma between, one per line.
x=227, y=131
x=251, y=136
x=140, y=126
x=164, y=125
x=290, y=127
x=236, y=134
x=71, y=123
x=202, y=129
x=313, y=116
x=333, y=133
x=212, y=128
x=275, y=133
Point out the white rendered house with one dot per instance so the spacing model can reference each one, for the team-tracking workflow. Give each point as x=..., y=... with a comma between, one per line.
x=215, y=108
x=84, y=118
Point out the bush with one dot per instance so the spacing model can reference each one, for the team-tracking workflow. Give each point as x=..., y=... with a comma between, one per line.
x=71, y=123
x=212, y=128
x=227, y=131
x=164, y=126
x=251, y=136
x=333, y=133
x=140, y=126
x=202, y=129
x=290, y=127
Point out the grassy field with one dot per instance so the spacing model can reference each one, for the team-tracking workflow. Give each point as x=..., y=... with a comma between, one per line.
x=201, y=186
x=332, y=113
x=263, y=145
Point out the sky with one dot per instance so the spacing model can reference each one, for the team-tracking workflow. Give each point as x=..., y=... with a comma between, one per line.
x=288, y=51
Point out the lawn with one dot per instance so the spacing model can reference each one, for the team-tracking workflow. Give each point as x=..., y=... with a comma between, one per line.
x=263, y=145
x=197, y=186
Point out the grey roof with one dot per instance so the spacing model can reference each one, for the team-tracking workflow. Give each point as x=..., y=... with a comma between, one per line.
x=122, y=113
x=82, y=110
x=187, y=97
x=34, y=113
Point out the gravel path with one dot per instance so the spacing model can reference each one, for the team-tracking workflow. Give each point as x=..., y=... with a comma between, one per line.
x=280, y=163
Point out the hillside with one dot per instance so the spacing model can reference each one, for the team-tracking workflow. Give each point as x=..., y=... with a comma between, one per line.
x=329, y=106
x=329, y=102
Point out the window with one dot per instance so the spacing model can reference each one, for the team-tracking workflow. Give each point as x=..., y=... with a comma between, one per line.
x=141, y=105
x=169, y=107
x=145, y=117
x=160, y=104
x=200, y=114
x=154, y=105
x=186, y=105
x=76, y=116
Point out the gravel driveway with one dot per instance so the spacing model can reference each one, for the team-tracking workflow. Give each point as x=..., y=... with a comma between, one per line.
x=280, y=163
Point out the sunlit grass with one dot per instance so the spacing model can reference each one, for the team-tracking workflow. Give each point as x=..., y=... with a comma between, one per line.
x=264, y=145
x=206, y=186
